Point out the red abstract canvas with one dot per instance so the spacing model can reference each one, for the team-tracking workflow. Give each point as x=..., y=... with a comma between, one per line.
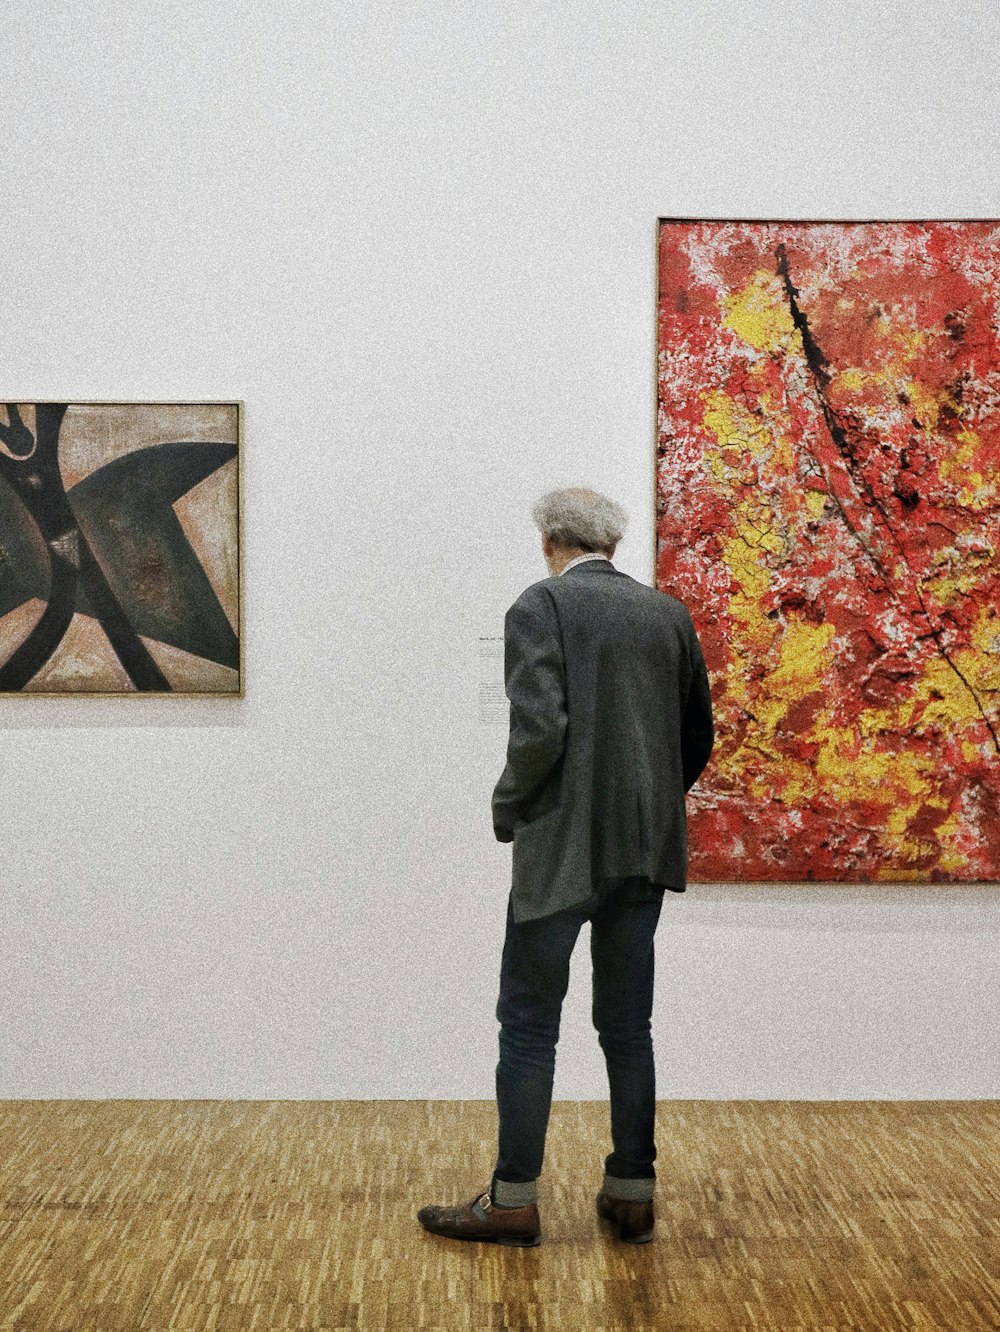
x=828, y=507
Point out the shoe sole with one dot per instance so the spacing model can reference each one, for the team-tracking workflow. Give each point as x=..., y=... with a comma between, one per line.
x=638, y=1237
x=510, y=1241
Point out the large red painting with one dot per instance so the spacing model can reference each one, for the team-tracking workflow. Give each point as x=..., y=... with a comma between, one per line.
x=828, y=499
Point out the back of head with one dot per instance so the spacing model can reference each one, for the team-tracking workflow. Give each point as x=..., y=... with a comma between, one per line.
x=578, y=517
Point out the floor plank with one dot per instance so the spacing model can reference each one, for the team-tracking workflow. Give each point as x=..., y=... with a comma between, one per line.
x=121, y=1216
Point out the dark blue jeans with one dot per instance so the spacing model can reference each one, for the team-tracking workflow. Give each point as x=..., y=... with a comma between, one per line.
x=534, y=976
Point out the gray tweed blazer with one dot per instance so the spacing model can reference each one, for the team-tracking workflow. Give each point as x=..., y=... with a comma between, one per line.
x=610, y=725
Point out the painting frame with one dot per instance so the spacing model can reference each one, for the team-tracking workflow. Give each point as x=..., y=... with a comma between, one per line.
x=736, y=871
x=236, y=618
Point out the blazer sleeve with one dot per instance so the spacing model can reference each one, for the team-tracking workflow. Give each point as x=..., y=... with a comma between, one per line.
x=697, y=729
x=535, y=683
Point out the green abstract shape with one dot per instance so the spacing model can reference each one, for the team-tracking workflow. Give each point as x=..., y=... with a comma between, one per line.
x=125, y=511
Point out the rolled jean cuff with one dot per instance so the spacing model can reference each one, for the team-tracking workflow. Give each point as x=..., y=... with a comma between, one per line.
x=514, y=1195
x=628, y=1190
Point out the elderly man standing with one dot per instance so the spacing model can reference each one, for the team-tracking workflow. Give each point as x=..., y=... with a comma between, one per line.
x=610, y=725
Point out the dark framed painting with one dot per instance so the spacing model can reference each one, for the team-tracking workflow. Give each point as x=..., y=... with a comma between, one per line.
x=828, y=508
x=120, y=548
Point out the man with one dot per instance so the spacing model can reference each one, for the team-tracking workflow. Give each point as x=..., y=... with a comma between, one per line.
x=610, y=726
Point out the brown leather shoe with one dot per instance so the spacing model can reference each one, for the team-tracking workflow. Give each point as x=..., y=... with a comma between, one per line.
x=635, y=1219
x=480, y=1220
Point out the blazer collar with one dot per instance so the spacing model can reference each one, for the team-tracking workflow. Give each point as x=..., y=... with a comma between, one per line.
x=588, y=567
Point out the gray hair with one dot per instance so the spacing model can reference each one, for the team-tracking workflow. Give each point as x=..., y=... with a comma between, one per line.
x=580, y=517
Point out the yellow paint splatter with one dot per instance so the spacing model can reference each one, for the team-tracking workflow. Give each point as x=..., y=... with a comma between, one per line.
x=925, y=403
x=951, y=857
x=759, y=314
x=949, y=698
x=985, y=635
x=798, y=674
x=738, y=431
x=803, y=661
x=852, y=767
x=815, y=503
x=891, y=372
x=744, y=450
x=971, y=486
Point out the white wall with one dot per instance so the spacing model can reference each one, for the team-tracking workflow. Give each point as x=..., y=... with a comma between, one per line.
x=418, y=239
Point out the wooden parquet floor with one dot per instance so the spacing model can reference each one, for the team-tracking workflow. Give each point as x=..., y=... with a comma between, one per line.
x=793, y=1216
